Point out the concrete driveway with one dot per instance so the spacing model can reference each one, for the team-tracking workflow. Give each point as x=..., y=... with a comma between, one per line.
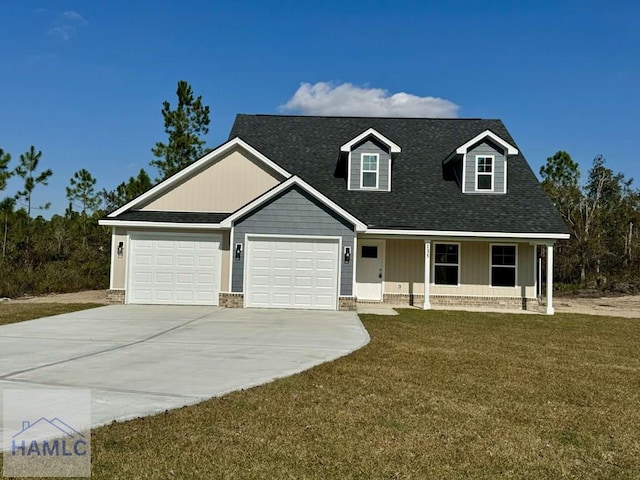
x=140, y=360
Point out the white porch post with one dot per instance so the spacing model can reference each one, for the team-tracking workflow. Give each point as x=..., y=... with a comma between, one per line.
x=427, y=274
x=550, y=279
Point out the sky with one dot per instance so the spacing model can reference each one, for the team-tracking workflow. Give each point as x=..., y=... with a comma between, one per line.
x=84, y=81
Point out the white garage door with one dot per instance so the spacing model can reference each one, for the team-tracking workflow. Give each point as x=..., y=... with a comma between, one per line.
x=174, y=269
x=292, y=273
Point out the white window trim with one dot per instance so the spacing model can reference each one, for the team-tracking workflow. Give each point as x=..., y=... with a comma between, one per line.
x=491, y=265
x=377, y=171
x=434, y=264
x=493, y=171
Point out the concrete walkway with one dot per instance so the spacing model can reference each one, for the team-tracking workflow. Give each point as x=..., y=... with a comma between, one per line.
x=139, y=360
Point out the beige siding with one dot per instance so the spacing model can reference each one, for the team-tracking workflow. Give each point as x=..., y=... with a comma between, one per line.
x=224, y=186
x=120, y=264
x=404, y=270
x=404, y=267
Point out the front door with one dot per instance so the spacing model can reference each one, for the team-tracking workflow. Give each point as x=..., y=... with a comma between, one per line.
x=370, y=269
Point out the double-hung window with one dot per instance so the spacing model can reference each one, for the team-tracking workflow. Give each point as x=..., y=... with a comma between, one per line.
x=446, y=264
x=369, y=170
x=503, y=265
x=484, y=172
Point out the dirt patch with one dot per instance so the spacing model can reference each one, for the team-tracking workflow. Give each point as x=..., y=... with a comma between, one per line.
x=623, y=306
x=619, y=306
x=87, y=296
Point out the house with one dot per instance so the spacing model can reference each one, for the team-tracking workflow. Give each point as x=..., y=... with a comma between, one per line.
x=324, y=212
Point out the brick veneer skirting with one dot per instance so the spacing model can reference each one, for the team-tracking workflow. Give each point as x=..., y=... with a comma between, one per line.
x=347, y=303
x=231, y=300
x=115, y=297
x=513, y=303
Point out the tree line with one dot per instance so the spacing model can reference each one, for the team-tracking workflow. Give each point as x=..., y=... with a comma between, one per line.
x=70, y=251
x=603, y=215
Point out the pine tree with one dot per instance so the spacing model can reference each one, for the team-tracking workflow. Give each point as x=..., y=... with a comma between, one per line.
x=82, y=191
x=185, y=126
x=27, y=171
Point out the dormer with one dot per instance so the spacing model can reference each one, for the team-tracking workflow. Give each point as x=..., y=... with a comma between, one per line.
x=480, y=165
x=369, y=159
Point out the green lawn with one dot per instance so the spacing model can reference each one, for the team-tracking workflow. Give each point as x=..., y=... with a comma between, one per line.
x=434, y=395
x=19, y=312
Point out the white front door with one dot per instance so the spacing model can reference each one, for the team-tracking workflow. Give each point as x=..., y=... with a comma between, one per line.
x=292, y=273
x=370, y=269
x=174, y=269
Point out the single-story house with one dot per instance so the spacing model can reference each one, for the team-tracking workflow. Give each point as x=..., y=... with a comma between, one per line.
x=325, y=212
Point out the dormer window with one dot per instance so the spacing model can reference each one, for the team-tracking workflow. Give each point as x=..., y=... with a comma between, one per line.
x=370, y=169
x=484, y=172
x=480, y=165
x=369, y=161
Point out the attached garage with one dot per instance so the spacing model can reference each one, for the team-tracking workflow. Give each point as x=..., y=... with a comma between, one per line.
x=173, y=268
x=286, y=272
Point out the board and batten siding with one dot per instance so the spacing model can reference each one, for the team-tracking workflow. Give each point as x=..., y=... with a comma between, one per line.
x=404, y=270
x=370, y=146
x=224, y=186
x=499, y=166
x=119, y=275
x=294, y=212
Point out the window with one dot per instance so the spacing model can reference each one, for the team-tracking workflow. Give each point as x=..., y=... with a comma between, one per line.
x=369, y=165
x=369, y=251
x=503, y=265
x=484, y=173
x=446, y=264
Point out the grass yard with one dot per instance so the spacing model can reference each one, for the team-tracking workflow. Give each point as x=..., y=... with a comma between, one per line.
x=434, y=395
x=19, y=312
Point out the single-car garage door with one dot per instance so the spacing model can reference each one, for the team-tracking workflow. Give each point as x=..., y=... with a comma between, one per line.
x=174, y=269
x=292, y=273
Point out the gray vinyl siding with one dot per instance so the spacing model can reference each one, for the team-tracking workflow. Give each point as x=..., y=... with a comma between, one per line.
x=294, y=213
x=499, y=165
x=370, y=146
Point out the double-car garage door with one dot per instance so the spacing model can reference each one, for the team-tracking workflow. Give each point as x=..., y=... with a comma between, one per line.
x=279, y=272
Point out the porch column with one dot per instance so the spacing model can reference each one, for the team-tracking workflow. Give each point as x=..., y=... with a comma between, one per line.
x=427, y=274
x=550, y=279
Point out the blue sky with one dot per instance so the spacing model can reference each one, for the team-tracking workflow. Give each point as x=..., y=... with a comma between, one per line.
x=85, y=81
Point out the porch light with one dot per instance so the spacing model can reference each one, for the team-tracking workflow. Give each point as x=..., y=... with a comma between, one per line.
x=238, y=250
x=347, y=254
x=120, y=249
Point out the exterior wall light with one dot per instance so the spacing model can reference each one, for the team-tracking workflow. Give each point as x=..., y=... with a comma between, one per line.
x=120, y=249
x=347, y=254
x=238, y=251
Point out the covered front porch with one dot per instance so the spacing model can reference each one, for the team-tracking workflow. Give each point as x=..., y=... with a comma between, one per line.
x=455, y=272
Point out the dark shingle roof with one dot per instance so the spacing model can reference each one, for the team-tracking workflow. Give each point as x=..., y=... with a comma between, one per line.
x=174, y=217
x=420, y=198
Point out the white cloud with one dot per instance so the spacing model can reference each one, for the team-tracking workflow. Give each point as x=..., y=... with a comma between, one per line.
x=325, y=98
x=63, y=32
x=75, y=16
x=65, y=27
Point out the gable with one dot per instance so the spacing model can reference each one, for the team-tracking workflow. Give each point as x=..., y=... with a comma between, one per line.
x=369, y=146
x=223, y=186
x=485, y=149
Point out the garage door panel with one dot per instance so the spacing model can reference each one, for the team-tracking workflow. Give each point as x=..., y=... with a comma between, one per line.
x=176, y=269
x=166, y=278
x=143, y=277
x=142, y=259
x=292, y=273
x=324, y=282
x=186, y=260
